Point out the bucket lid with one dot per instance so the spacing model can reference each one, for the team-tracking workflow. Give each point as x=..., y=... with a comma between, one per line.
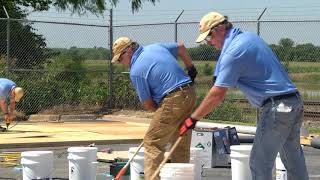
x=77, y=158
x=185, y=166
x=176, y=173
x=28, y=162
x=238, y=155
x=241, y=147
x=82, y=149
x=36, y=153
x=203, y=129
x=132, y=150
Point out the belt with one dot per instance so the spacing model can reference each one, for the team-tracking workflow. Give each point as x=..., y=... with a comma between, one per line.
x=282, y=96
x=180, y=88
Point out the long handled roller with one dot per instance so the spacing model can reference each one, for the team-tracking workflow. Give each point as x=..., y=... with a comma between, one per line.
x=125, y=167
x=166, y=158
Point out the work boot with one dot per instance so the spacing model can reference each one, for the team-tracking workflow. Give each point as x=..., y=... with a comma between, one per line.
x=2, y=129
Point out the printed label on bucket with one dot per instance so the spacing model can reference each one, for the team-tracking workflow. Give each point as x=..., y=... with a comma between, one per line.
x=141, y=175
x=281, y=174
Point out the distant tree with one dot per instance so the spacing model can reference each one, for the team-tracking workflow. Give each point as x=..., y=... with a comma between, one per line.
x=76, y=6
x=285, y=46
x=27, y=48
x=94, y=6
x=286, y=43
x=307, y=52
x=204, y=53
x=78, y=54
x=285, y=51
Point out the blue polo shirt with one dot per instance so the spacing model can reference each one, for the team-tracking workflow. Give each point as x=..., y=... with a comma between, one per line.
x=154, y=71
x=5, y=87
x=248, y=63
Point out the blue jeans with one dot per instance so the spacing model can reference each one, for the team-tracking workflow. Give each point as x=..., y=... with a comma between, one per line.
x=278, y=130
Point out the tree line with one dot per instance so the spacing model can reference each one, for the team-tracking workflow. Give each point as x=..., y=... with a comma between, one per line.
x=28, y=49
x=286, y=50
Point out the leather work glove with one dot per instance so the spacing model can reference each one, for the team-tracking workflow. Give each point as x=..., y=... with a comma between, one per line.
x=8, y=119
x=189, y=123
x=192, y=72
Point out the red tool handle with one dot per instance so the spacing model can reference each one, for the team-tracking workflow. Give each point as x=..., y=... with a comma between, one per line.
x=121, y=173
x=125, y=167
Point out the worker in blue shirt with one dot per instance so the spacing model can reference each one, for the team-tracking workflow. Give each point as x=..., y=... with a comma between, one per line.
x=162, y=86
x=9, y=95
x=246, y=62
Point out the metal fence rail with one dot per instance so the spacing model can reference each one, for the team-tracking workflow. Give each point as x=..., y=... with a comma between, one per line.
x=65, y=67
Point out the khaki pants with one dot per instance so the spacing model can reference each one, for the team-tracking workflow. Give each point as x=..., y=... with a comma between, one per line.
x=164, y=129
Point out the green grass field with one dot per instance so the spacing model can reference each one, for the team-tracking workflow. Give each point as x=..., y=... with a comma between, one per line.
x=302, y=73
x=305, y=75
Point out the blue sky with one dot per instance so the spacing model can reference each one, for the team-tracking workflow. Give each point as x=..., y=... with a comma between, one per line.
x=168, y=10
x=165, y=11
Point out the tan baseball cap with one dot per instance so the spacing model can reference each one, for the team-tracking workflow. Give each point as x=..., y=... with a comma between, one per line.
x=118, y=46
x=18, y=93
x=207, y=22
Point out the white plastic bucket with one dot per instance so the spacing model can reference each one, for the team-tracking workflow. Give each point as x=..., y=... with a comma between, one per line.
x=196, y=158
x=137, y=164
x=281, y=172
x=37, y=165
x=82, y=163
x=89, y=153
x=240, y=155
x=177, y=171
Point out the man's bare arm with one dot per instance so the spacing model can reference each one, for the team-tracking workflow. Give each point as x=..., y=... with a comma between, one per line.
x=214, y=97
x=184, y=55
x=12, y=107
x=3, y=106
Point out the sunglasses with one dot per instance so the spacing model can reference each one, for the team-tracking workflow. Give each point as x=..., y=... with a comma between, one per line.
x=209, y=37
x=122, y=53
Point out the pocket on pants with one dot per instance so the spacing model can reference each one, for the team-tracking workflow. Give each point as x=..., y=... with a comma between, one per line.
x=284, y=118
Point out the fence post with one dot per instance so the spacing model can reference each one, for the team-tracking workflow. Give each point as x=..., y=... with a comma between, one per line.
x=8, y=42
x=258, y=21
x=110, y=103
x=176, y=27
x=258, y=32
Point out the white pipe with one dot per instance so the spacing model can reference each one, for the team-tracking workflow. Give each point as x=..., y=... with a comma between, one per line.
x=240, y=128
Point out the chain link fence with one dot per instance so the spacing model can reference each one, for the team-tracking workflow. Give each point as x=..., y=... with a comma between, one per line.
x=44, y=58
x=65, y=67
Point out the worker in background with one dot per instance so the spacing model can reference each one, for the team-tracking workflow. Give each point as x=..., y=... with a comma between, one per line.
x=163, y=87
x=248, y=63
x=9, y=95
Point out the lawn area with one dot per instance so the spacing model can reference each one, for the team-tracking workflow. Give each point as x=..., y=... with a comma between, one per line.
x=102, y=65
x=236, y=112
x=306, y=75
x=299, y=71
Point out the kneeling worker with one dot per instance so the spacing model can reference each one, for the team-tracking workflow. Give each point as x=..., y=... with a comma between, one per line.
x=9, y=94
